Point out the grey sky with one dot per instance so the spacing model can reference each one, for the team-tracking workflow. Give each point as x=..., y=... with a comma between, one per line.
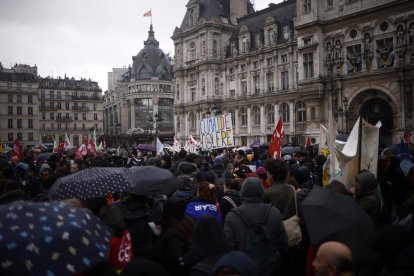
x=85, y=38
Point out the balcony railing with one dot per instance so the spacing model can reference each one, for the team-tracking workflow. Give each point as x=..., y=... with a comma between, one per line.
x=48, y=108
x=80, y=108
x=66, y=119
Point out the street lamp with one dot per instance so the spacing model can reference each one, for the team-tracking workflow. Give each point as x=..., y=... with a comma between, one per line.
x=156, y=120
x=216, y=111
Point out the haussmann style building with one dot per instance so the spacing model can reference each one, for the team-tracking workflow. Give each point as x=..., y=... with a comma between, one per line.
x=140, y=105
x=298, y=61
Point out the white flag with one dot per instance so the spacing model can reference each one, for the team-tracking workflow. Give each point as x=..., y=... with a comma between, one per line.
x=176, y=145
x=160, y=147
x=369, y=146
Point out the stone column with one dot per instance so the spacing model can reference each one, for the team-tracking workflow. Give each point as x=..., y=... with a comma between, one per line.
x=133, y=115
x=262, y=121
x=249, y=121
x=236, y=122
x=292, y=118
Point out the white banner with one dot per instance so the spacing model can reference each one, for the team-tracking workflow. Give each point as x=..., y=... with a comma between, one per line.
x=369, y=146
x=216, y=132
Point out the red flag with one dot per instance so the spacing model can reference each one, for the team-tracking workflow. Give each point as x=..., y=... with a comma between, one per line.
x=17, y=150
x=308, y=142
x=91, y=147
x=275, y=146
x=407, y=136
x=61, y=145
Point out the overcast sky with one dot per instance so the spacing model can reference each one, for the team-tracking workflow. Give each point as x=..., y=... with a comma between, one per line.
x=85, y=38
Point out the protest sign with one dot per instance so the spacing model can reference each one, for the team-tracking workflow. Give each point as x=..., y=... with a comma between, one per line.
x=217, y=132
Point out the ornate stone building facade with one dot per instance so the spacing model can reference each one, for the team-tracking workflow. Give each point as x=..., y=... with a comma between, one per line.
x=297, y=60
x=69, y=106
x=19, y=105
x=141, y=103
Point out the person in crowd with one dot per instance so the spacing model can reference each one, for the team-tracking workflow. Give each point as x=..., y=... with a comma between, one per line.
x=182, y=154
x=366, y=194
x=333, y=258
x=187, y=177
x=10, y=190
x=136, y=215
x=319, y=161
x=143, y=267
x=120, y=252
x=252, y=211
x=76, y=166
x=176, y=236
x=262, y=174
x=396, y=181
x=204, y=203
x=303, y=179
x=165, y=162
x=235, y=263
x=394, y=246
x=231, y=198
x=45, y=181
x=279, y=194
x=217, y=174
x=62, y=168
x=208, y=245
x=240, y=159
x=338, y=187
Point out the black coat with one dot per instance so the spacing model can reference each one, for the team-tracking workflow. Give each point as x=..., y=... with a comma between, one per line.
x=225, y=205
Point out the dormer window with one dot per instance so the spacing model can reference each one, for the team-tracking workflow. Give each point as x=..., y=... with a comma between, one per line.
x=192, y=17
x=286, y=31
x=307, y=6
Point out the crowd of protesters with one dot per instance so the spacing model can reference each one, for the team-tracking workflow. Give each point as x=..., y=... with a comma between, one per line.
x=203, y=227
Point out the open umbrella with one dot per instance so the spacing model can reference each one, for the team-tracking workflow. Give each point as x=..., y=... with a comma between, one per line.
x=152, y=180
x=146, y=147
x=44, y=156
x=50, y=238
x=332, y=216
x=91, y=183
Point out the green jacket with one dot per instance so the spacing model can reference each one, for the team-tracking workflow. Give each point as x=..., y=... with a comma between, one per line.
x=281, y=195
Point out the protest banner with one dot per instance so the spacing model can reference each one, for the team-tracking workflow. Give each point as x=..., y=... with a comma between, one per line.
x=217, y=132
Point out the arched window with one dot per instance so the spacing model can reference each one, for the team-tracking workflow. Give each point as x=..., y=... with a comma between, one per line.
x=193, y=121
x=193, y=51
x=284, y=110
x=256, y=115
x=270, y=114
x=243, y=116
x=300, y=111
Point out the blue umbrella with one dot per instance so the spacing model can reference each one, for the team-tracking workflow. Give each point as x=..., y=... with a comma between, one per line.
x=50, y=238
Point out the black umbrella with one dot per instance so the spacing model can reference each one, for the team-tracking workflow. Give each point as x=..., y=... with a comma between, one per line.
x=50, y=238
x=91, y=183
x=152, y=180
x=44, y=156
x=332, y=216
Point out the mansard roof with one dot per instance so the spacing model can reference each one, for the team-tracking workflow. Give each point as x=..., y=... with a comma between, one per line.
x=284, y=13
x=208, y=10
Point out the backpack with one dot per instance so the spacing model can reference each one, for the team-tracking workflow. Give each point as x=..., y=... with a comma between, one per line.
x=260, y=243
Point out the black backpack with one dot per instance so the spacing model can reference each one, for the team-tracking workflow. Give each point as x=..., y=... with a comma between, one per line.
x=260, y=243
